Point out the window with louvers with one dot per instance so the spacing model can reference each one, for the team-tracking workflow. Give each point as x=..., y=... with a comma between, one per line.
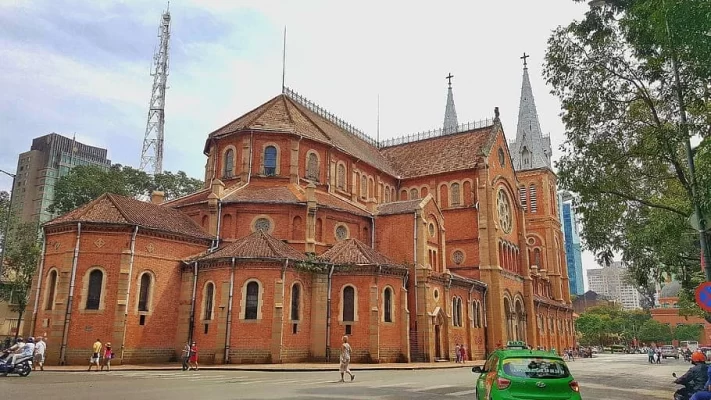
x=522, y=196
x=534, y=201
x=312, y=169
x=341, y=176
x=455, y=194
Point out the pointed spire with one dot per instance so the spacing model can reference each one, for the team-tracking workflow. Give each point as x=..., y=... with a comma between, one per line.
x=450, y=113
x=531, y=149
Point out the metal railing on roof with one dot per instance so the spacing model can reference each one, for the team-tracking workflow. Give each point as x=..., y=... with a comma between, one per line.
x=467, y=126
x=292, y=94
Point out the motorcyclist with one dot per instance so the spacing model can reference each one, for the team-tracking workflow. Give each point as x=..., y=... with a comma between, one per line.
x=695, y=378
x=19, y=344
x=27, y=351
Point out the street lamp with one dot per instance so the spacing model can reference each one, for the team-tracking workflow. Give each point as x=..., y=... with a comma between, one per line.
x=706, y=258
x=7, y=220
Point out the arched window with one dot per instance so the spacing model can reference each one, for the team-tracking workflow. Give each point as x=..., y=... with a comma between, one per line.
x=229, y=164
x=387, y=194
x=456, y=196
x=295, y=299
x=537, y=258
x=270, y=160
x=93, y=298
x=532, y=198
x=522, y=196
x=209, y=300
x=348, y=304
x=144, y=292
x=414, y=194
x=252, y=302
x=312, y=169
x=341, y=177
x=364, y=186
x=51, y=287
x=388, y=306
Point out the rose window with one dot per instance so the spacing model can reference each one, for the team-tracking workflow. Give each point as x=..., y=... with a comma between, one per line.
x=262, y=224
x=458, y=257
x=341, y=232
x=504, y=209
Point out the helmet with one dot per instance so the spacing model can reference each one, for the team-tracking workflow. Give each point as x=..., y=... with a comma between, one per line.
x=30, y=339
x=20, y=340
x=698, y=357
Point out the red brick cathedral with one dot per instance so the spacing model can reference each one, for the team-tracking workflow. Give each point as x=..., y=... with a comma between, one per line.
x=308, y=230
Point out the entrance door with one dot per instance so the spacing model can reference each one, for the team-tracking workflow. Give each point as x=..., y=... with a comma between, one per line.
x=438, y=342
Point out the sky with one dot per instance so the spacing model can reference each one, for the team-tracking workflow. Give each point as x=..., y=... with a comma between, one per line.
x=83, y=67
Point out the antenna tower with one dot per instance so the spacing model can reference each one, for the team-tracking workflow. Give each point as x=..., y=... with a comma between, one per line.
x=152, y=153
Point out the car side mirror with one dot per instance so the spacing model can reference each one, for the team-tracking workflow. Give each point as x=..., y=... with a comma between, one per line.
x=477, y=370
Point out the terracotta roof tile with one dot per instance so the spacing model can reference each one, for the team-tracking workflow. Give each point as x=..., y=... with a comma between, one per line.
x=353, y=251
x=440, y=154
x=262, y=194
x=399, y=207
x=111, y=208
x=256, y=245
x=337, y=203
x=192, y=198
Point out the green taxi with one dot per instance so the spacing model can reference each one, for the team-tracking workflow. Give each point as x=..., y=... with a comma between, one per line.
x=517, y=372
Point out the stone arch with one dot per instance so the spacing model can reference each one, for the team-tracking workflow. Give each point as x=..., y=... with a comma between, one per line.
x=443, y=195
x=467, y=193
x=146, y=289
x=297, y=228
x=520, y=315
x=93, y=290
x=455, y=194
x=424, y=191
x=313, y=165
x=341, y=176
x=508, y=317
x=209, y=294
x=403, y=194
x=248, y=300
x=226, y=226
x=228, y=162
x=270, y=162
x=51, y=284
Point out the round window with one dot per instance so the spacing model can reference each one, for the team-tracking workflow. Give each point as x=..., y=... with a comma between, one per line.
x=262, y=224
x=432, y=229
x=458, y=257
x=436, y=294
x=504, y=209
x=341, y=232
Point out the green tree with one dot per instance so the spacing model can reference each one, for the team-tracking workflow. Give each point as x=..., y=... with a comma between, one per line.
x=654, y=331
x=21, y=260
x=87, y=182
x=4, y=214
x=624, y=151
x=688, y=332
x=606, y=325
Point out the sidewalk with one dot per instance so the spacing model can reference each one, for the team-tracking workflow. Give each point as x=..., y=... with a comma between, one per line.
x=301, y=367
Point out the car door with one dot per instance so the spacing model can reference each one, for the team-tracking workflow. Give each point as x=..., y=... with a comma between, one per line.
x=488, y=378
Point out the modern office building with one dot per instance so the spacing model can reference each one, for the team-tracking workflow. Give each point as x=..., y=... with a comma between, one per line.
x=610, y=281
x=573, y=252
x=38, y=170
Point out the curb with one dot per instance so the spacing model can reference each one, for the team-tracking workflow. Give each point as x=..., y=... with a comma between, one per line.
x=261, y=369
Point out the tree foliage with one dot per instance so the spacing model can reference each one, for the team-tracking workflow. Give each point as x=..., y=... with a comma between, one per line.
x=4, y=214
x=624, y=153
x=688, y=332
x=605, y=325
x=87, y=182
x=21, y=260
x=654, y=331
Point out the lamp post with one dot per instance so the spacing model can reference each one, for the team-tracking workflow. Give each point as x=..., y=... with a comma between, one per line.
x=7, y=220
x=698, y=216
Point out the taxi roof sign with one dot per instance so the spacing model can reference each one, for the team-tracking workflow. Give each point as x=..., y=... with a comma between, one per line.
x=516, y=344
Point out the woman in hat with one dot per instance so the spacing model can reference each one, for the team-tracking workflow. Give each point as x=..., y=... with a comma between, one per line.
x=194, y=356
x=108, y=355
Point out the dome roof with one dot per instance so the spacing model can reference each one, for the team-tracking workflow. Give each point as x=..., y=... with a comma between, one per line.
x=671, y=289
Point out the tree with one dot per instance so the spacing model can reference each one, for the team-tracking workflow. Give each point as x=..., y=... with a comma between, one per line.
x=654, y=331
x=688, y=332
x=21, y=259
x=4, y=215
x=605, y=325
x=87, y=182
x=624, y=149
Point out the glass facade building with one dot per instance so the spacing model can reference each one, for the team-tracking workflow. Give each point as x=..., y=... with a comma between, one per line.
x=573, y=251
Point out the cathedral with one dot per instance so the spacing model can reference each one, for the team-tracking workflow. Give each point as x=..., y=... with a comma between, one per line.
x=308, y=230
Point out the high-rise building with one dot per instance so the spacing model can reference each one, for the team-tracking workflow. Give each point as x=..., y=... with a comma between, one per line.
x=610, y=281
x=573, y=252
x=38, y=170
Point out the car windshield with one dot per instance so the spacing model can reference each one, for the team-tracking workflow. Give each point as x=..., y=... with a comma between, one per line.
x=541, y=368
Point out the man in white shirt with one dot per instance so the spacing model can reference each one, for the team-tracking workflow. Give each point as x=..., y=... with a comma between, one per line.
x=27, y=351
x=19, y=344
x=40, y=348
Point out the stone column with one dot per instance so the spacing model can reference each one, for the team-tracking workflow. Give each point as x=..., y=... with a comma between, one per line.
x=319, y=297
x=374, y=323
x=294, y=162
x=278, y=321
x=311, y=206
x=221, y=323
x=121, y=321
x=404, y=326
x=246, y=146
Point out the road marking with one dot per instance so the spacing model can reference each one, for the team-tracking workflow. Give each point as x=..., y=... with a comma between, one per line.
x=393, y=385
x=317, y=382
x=463, y=393
x=658, y=394
x=430, y=388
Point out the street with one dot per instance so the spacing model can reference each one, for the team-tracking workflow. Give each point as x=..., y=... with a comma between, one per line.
x=606, y=377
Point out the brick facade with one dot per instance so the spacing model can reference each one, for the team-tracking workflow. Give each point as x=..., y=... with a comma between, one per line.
x=436, y=228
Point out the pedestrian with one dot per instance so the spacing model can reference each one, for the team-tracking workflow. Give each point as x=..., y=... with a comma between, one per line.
x=463, y=354
x=40, y=348
x=659, y=356
x=95, y=355
x=650, y=354
x=194, y=356
x=345, y=359
x=457, y=353
x=108, y=355
x=186, y=356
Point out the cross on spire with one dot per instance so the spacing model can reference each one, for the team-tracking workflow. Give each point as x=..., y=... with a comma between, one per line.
x=449, y=79
x=524, y=57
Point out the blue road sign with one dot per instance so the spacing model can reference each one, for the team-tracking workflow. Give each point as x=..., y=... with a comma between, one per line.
x=703, y=296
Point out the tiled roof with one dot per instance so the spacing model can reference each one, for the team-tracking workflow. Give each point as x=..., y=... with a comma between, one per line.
x=552, y=302
x=266, y=194
x=112, y=208
x=353, y=251
x=440, y=154
x=399, y=207
x=286, y=115
x=337, y=203
x=259, y=245
x=192, y=198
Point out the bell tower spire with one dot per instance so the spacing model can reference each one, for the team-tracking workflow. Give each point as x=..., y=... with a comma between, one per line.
x=531, y=149
x=450, y=113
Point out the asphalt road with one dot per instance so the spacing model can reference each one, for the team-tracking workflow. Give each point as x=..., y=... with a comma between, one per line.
x=612, y=377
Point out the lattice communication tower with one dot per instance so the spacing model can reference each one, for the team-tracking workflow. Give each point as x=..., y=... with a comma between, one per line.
x=152, y=153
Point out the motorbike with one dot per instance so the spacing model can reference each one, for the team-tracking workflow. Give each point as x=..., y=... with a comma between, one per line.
x=683, y=393
x=22, y=367
x=687, y=357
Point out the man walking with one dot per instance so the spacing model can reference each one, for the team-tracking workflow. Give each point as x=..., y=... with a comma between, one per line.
x=186, y=356
x=96, y=355
x=40, y=348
